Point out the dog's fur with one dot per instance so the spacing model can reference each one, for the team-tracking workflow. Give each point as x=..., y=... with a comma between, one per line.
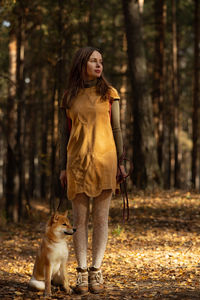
x=50, y=263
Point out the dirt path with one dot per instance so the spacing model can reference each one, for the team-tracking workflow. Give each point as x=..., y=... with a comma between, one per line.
x=155, y=255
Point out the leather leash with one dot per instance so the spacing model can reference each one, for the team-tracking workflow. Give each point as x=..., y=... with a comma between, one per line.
x=123, y=186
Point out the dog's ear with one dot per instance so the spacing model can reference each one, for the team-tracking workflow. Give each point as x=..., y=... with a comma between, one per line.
x=54, y=218
x=66, y=213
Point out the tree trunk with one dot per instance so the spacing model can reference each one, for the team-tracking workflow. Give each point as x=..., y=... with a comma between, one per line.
x=159, y=74
x=60, y=75
x=32, y=147
x=175, y=94
x=20, y=116
x=43, y=155
x=146, y=171
x=11, y=118
x=53, y=152
x=195, y=118
x=167, y=129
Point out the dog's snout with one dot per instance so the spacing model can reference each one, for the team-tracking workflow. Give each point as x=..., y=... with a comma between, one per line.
x=70, y=232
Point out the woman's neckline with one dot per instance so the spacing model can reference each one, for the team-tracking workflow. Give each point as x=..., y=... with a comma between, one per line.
x=91, y=83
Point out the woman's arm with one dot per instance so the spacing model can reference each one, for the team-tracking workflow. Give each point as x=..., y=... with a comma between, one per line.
x=117, y=133
x=116, y=128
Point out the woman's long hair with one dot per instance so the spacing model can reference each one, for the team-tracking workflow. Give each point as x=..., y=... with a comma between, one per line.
x=77, y=72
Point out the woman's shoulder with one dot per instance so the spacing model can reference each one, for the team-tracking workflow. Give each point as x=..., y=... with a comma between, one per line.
x=113, y=93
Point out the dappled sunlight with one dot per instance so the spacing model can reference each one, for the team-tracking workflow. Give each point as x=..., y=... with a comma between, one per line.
x=155, y=254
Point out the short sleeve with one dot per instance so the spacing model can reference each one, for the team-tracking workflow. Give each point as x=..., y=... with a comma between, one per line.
x=114, y=93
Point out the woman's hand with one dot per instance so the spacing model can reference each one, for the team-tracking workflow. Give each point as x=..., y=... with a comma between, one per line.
x=63, y=178
x=121, y=173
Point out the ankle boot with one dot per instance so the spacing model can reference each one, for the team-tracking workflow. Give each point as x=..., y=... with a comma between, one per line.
x=82, y=281
x=95, y=280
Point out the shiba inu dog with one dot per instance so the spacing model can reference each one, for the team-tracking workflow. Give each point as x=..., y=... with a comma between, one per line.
x=50, y=263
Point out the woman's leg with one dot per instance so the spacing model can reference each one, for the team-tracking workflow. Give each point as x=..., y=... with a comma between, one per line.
x=100, y=212
x=80, y=208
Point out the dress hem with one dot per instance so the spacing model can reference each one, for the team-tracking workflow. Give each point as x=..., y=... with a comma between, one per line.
x=94, y=195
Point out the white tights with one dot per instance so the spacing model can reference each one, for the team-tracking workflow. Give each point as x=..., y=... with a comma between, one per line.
x=100, y=212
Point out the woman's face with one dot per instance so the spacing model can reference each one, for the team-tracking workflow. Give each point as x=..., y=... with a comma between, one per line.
x=94, y=66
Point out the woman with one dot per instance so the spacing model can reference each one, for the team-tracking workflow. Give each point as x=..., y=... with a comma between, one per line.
x=90, y=165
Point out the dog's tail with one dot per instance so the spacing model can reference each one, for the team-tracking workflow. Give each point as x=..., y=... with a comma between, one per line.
x=37, y=284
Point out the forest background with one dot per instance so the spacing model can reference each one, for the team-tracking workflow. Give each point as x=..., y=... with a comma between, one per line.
x=151, y=55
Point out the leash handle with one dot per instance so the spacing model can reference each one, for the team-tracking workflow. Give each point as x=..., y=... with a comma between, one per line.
x=124, y=158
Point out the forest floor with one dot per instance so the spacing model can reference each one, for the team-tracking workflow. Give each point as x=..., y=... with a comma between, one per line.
x=156, y=254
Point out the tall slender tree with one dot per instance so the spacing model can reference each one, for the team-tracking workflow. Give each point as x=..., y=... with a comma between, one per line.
x=11, y=118
x=146, y=169
x=175, y=93
x=195, y=117
x=20, y=105
x=159, y=73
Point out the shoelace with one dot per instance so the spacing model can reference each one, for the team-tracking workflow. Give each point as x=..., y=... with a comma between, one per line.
x=80, y=279
x=99, y=277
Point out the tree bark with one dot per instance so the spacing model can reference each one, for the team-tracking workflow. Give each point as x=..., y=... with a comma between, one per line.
x=146, y=170
x=175, y=93
x=20, y=105
x=159, y=74
x=195, y=116
x=32, y=146
x=60, y=78
x=167, y=128
x=43, y=156
x=11, y=118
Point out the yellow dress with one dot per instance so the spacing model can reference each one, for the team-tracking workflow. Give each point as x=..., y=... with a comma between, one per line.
x=91, y=150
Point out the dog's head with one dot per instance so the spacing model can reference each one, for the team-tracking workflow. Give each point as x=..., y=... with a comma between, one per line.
x=60, y=225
